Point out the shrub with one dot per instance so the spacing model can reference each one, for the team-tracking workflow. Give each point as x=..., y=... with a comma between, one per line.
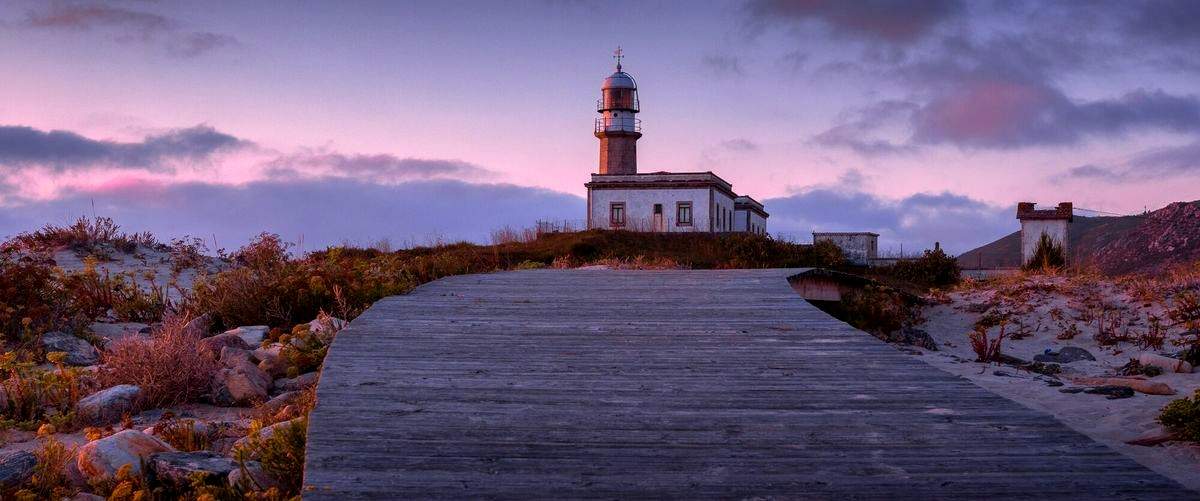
x=986, y=350
x=170, y=366
x=1183, y=416
x=934, y=268
x=84, y=235
x=49, y=479
x=1049, y=255
x=281, y=455
x=32, y=297
x=878, y=309
x=34, y=395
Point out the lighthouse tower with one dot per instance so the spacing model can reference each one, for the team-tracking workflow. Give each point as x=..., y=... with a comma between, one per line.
x=618, y=128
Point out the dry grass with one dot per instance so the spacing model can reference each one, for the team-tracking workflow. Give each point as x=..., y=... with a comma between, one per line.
x=169, y=366
x=986, y=350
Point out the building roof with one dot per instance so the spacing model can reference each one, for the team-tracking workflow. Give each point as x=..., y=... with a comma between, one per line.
x=661, y=180
x=744, y=202
x=844, y=234
x=619, y=80
x=1029, y=211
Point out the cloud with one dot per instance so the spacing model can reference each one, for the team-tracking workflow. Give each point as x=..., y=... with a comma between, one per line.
x=90, y=16
x=191, y=45
x=1154, y=164
x=857, y=129
x=380, y=168
x=889, y=21
x=64, y=150
x=128, y=25
x=723, y=65
x=740, y=145
x=958, y=222
x=1169, y=21
x=321, y=211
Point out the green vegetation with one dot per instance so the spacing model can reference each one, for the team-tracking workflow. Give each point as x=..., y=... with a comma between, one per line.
x=1048, y=256
x=1183, y=416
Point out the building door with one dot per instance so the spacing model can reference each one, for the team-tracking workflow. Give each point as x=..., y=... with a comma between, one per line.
x=658, y=218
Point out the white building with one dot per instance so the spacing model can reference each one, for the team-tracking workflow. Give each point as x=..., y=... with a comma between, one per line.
x=621, y=198
x=860, y=247
x=1035, y=222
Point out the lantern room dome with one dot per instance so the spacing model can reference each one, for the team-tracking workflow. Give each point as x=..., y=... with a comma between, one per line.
x=619, y=80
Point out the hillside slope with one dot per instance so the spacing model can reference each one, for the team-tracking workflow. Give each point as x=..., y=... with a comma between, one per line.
x=1115, y=245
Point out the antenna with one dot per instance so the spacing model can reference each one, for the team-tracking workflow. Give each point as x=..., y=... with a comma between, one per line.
x=618, y=55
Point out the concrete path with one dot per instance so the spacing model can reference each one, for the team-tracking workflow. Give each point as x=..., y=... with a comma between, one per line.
x=669, y=384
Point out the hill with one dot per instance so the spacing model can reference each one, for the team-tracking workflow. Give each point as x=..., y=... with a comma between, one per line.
x=1115, y=245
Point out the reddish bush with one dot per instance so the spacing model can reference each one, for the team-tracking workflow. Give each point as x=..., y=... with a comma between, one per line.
x=169, y=366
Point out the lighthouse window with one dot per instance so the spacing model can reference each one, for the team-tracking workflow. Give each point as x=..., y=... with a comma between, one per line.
x=616, y=214
x=683, y=214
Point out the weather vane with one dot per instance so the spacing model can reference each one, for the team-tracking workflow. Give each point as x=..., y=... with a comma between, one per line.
x=618, y=54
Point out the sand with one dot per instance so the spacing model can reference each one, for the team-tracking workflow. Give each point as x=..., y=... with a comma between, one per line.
x=1111, y=422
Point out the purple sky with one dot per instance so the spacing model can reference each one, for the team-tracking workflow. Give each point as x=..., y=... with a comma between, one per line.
x=359, y=121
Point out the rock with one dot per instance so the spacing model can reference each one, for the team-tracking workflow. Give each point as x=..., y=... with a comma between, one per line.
x=223, y=446
x=1065, y=356
x=79, y=352
x=1152, y=437
x=233, y=357
x=280, y=401
x=253, y=478
x=271, y=360
x=215, y=343
x=87, y=496
x=176, y=468
x=199, y=325
x=100, y=459
x=265, y=433
x=912, y=336
x=108, y=405
x=1167, y=364
x=241, y=383
x=326, y=327
x=287, y=412
x=1112, y=391
x=252, y=334
x=16, y=468
x=116, y=331
x=298, y=383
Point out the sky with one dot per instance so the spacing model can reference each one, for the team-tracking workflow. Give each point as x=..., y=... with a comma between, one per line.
x=418, y=122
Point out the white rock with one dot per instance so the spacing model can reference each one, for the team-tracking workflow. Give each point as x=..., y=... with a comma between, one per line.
x=253, y=335
x=102, y=458
x=108, y=405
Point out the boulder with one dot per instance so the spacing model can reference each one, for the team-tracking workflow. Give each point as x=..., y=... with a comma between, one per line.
x=199, y=325
x=271, y=360
x=100, y=459
x=252, y=478
x=176, y=468
x=253, y=335
x=912, y=336
x=1167, y=364
x=265, y=432
x=116, y=331
x=240, y=383
x=79, y=352
x=326, y=327
x=232, y=357
x=1065, y=356
x=108, y=405
x=216, y=343
x=15, y=468
x=282, y=400
x=1113, y=392
x=297, y=383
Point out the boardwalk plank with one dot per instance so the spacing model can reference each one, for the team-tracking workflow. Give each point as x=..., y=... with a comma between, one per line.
x=668, y=384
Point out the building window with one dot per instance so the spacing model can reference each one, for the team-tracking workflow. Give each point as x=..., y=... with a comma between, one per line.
x=616, y=214
x=683, y=213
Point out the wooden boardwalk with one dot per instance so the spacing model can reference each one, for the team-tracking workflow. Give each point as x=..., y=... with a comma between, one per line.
x=669, y=384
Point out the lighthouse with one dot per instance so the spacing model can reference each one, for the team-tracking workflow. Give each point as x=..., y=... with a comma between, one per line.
x=621, y=198
x=618, y=127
